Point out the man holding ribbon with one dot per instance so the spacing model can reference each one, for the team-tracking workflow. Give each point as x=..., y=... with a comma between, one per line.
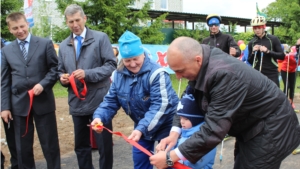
x=28, y=73
x=86, y=62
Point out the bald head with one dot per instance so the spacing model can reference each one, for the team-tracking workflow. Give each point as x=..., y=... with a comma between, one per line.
x=186, y=46
x=184, y=57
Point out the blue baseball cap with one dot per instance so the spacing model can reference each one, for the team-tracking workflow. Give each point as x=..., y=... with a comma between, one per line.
x=214, y=21
x=130, y=45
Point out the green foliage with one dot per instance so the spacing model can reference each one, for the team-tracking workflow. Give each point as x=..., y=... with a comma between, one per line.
x=114, y=17
x=245, y=36
x=199, y=33
x=288, y=12
x=60, y=33
x=146, y=33
x=8, y=6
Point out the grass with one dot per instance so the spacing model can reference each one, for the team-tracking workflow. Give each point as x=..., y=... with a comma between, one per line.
x=60, y=91
x=297, y=84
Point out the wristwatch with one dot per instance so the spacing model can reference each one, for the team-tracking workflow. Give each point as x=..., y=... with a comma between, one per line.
x=169, y=160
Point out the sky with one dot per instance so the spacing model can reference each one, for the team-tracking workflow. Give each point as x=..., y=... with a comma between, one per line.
x=233, y=8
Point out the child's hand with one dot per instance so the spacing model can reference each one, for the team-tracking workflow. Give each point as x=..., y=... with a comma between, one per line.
x=97, y=125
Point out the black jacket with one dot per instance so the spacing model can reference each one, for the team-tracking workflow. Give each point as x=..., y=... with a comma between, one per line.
x=269, y=63
x=222, y=41
x=238, y=100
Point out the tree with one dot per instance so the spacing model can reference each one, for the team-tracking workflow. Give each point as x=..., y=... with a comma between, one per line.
x=114, y=17
x=199, y=33
x=42, y=24
x=8, y=6
x=287, y=12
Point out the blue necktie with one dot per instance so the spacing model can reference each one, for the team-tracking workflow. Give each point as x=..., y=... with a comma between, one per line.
x=79, y=38
x=24, y=52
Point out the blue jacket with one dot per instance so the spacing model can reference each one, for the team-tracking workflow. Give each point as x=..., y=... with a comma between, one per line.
x=245, y=56
x=207, y=161
x=150, y=101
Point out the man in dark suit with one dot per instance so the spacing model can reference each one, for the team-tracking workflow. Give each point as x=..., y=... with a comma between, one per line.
x=30, y=63
x=10, y=135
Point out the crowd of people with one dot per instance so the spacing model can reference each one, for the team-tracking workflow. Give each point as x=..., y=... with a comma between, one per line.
x=224, y=96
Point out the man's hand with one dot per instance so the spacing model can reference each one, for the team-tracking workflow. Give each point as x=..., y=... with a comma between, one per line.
x=232, y=51
x=135, y=135
x=95, y=125
x=167, y=143
x=64, y=79
x=256, y=48
x=79, y=74
x=263, y=49
x=37, y=89
x=159, y=160
x=6, y=114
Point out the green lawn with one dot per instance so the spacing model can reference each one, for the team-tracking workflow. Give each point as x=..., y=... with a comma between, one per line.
x=297, y=84
x=60, y=91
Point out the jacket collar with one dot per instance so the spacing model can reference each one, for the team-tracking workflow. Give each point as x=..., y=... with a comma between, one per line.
x=216, y=35
x=87, y=40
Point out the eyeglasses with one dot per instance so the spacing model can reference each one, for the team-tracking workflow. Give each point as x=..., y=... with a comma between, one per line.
x=214, y=24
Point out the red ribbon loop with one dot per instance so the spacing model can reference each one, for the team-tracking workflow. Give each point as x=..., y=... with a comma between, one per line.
x=31, y=94
x=176, y=165
x=74, y=87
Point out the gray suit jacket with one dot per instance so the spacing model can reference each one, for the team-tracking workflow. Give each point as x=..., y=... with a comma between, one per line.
x=98, y=62
x=18, y=76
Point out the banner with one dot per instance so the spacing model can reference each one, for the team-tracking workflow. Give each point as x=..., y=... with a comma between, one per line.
x=259, y=13
x=28, y=8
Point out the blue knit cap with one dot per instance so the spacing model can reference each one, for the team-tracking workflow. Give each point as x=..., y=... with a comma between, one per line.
x=130, y=45
x=188, y=108
x=213, y=21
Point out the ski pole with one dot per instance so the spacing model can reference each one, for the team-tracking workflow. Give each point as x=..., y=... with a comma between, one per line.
x=261, y=60
x=179, y=87
x=287, y=76
x=221, y=154
x=253, y=65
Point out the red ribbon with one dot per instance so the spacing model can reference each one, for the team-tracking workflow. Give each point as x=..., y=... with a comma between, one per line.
x=31, y=94
x=176, y=165
x=74, y=87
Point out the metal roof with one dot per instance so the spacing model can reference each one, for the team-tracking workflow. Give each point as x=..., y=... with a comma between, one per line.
x=195, y=17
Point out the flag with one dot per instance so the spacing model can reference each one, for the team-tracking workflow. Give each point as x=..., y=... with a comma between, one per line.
x=28, y=12
x=259, y=13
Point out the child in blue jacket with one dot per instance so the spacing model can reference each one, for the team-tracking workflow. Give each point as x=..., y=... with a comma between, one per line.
x=191, y=120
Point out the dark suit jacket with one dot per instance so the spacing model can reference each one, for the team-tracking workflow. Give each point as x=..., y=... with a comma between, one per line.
x=18, y=76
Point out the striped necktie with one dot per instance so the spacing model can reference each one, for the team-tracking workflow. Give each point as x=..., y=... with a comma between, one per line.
x=23, y=49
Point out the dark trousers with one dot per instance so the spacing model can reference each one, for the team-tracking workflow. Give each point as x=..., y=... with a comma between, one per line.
x=83, y=147
x=2, y=160
x=291, y=84
x=140, y=159
x=47, y=132
x=11, y=142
